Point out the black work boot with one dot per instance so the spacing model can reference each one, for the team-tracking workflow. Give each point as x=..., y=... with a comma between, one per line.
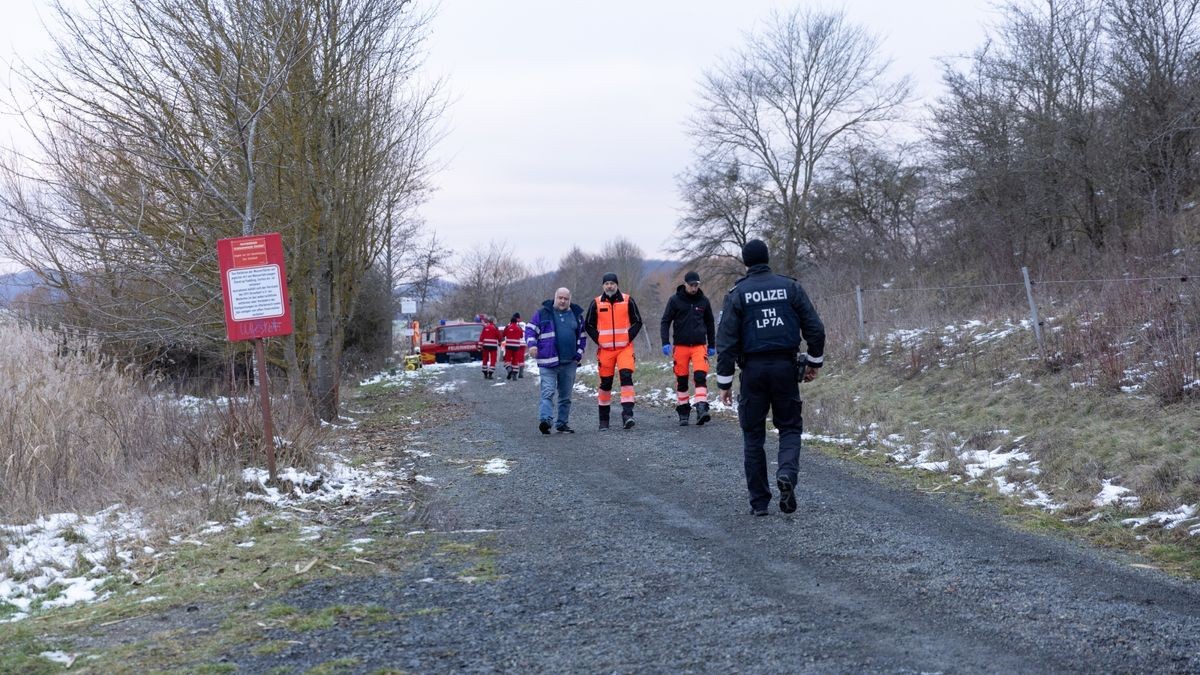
x=684, y=411
x=604, y=417
x=787, y=495
x=627, y=415
x=702, y=414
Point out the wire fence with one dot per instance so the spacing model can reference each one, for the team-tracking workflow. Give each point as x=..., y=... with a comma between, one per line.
x=1124, y=331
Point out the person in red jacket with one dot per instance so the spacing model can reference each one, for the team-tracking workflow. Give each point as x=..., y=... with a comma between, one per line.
x=514, y=348
x=489, y=345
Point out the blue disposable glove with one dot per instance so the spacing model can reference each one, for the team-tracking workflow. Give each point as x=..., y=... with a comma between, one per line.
x=666, y=350
x=712, y=351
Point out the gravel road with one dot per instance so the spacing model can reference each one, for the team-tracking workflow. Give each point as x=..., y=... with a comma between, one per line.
x=634, y=551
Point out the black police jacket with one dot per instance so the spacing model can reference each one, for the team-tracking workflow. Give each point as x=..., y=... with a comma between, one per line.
x=766, y=313
x=692, y=318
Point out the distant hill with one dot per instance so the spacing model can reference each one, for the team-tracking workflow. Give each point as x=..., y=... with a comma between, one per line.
x=655, y=266
x=648, y=267
x=15, y=283
x=443, y=286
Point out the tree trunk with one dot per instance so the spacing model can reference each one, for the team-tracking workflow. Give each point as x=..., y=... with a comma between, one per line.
x=324, y=393
x=294, y=373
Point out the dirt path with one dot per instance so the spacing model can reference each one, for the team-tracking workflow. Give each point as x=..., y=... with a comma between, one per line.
x=634, y=551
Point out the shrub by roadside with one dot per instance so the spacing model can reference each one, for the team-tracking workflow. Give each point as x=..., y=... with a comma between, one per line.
x=100, y=465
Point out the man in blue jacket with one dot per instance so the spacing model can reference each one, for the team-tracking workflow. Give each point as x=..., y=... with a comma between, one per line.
x=556, y=342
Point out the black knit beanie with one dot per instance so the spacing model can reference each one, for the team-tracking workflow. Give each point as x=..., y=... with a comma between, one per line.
x=755, y=253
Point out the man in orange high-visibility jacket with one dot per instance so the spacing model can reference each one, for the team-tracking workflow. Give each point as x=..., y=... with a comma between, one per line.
x=613, y=321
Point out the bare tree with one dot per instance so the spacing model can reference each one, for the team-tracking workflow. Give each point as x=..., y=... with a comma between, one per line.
x=626, y=260
x=148, y=130
x=778, y=105
x=580, y=273
x=1025, y=137
x=1155, y=74
x=724, y=210
x=422, y=269
x=872, y=207
x=487, y=276
x=168, y=124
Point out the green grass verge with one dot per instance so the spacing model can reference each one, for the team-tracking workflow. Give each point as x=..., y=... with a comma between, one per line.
x=960, y=396
x=229, y=594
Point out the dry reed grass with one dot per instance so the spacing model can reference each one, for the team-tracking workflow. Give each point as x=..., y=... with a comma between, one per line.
x=78, y=433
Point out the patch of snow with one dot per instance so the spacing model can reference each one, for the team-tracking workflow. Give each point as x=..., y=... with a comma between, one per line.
x=1115, y=494
x=496, y=466
x=59, y=657
x=51, y=551
x=1168, y=519
x=978, y=462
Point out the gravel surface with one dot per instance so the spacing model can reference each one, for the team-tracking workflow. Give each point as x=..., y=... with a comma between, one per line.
x=634, y=551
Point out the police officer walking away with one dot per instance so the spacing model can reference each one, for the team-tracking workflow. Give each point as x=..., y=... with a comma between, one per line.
x=764, y=317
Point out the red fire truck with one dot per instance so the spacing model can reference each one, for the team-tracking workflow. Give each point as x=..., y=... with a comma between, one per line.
x=451, y=342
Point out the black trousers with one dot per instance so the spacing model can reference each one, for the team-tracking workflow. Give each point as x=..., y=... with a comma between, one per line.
x=769, y=384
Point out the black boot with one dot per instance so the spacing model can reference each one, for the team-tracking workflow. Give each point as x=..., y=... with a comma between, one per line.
x=627, y=415
x=702, y=414
x=684, y=411
x=604, y=410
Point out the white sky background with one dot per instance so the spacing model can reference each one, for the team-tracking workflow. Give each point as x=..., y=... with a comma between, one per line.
x=567, y=120
x=567, y=123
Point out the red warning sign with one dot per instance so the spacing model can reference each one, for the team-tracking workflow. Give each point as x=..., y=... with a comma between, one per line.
x=254, y=287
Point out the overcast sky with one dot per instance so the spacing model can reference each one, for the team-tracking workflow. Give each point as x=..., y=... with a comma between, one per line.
x=566, y=122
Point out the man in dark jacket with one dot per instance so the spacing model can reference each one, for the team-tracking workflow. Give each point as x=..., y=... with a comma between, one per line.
x=762, y=321
x=691, y=315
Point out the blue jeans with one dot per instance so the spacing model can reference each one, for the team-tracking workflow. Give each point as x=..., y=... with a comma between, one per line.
x=560, y=379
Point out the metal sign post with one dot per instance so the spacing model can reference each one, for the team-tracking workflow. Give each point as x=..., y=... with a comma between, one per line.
x=254, y=288
x=264, y=395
